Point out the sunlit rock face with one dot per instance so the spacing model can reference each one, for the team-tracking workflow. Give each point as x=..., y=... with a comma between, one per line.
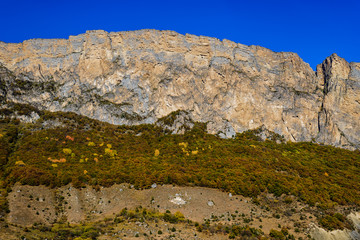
x=140, y=76
x=339, y=119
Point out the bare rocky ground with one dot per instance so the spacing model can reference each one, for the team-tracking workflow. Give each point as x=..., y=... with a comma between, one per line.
x=33, y=205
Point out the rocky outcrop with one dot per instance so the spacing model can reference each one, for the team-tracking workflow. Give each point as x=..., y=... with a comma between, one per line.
x=141, y=76
x=339, y=119
x=345, y=234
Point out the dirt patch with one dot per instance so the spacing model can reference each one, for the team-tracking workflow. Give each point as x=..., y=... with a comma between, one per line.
x=29, y=205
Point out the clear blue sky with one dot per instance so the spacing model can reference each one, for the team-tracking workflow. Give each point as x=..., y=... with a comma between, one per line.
x=313, y=29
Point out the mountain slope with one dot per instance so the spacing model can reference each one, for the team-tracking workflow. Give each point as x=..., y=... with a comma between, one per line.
x=267, y=184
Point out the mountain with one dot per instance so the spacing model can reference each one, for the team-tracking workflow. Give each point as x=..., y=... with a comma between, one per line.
x=153, y=134
x=140, y=76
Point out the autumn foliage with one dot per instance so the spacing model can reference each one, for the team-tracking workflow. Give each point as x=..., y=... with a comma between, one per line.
x=86, y=151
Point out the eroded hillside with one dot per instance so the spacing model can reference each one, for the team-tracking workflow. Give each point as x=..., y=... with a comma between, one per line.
x=280, y=186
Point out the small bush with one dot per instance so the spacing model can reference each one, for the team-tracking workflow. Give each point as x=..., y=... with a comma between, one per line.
x=277, y=234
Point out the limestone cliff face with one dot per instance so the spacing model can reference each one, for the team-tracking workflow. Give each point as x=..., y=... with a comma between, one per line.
x=339, y=119
x=140, y=76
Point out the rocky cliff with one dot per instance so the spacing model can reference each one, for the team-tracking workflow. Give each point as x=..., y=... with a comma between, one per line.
x=140, y=76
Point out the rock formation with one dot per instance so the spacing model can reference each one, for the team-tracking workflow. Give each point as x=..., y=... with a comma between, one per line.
x=141, y=76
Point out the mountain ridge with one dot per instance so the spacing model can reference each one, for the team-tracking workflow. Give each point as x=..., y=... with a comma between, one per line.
x=136, y=77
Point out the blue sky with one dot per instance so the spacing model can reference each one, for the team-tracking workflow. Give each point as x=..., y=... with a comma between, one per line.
x=313, y=29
